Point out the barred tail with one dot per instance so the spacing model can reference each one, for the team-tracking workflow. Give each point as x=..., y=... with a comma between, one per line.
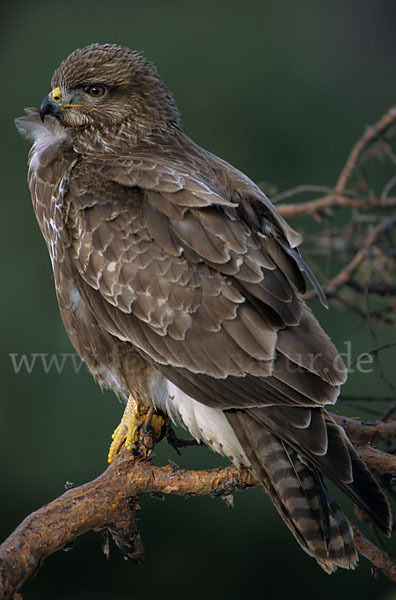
x=296, y=488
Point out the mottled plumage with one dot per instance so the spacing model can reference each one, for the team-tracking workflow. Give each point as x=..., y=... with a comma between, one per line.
x=179, y=283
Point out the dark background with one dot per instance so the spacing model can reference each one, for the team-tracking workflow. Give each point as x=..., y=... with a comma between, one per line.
x=281, y=89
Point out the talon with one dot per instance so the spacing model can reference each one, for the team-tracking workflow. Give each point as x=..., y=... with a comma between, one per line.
x=147, y=420
x=126, y=432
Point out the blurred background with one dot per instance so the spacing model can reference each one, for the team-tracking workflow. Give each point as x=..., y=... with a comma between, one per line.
x=280, y=89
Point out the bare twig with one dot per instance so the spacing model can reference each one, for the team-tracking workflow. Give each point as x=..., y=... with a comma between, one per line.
x=376, y=289
x=374, y=351
x=340, y=196
x=337, y=199
x=388, y=413
x=353, y=250
x=345, y=274
x=378, y=558
x=379, y=129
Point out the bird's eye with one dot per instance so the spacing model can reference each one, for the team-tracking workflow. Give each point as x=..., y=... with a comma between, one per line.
x=95, y=90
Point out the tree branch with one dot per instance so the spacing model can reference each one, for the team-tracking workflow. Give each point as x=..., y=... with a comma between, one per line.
x=340, y=197
x=360, y=250
x=366, y=432
x=346, y=273
x=335, y=199
x=379, y=129
x=377, y=459
x=108, y=502
x=378, y=558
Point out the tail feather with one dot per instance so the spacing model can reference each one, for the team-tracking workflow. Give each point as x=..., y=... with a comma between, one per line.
x=339, y=462
x=295, y=486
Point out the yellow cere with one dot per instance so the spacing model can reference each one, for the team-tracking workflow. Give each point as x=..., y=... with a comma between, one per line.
x=56, y=95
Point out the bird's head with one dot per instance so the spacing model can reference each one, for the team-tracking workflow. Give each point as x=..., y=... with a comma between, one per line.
x=106, y=86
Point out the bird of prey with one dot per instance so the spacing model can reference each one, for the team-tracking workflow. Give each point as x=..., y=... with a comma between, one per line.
x=181, y=288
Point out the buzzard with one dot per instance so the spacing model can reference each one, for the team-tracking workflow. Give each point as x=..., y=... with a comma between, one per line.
x=181, y=288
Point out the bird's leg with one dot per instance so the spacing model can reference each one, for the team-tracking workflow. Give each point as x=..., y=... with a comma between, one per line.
x=153, y=421
x=176, y=442
x=136, y=415
x=126, y=432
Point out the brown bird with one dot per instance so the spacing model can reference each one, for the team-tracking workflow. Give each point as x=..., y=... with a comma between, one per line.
x=180, y=286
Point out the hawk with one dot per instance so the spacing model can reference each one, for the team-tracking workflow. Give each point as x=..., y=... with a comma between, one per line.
x=181, y=288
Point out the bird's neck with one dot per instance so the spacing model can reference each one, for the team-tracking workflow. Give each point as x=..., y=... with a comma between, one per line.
x=122, y=139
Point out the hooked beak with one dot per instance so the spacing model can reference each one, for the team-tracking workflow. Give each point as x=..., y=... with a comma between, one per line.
x=54, y=103
x=48, y=107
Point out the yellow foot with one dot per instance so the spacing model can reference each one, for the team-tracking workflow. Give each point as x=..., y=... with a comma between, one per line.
x=126, y=432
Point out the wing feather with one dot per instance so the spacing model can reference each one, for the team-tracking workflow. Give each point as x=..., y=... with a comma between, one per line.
x=199, y=280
